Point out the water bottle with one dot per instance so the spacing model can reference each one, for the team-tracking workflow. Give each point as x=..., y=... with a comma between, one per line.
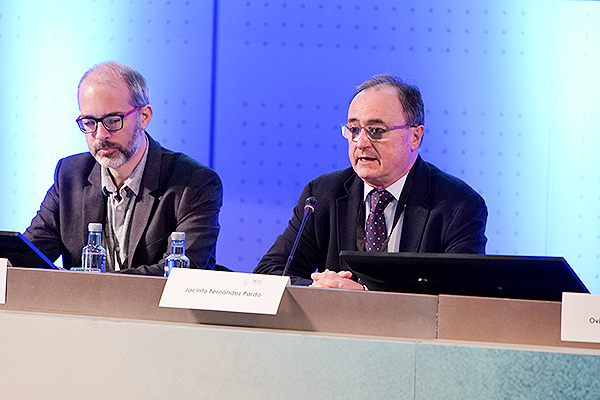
x=177, y=258
x=93, y=256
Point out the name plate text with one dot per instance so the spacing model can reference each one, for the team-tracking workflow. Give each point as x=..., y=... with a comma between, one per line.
x=223, y=291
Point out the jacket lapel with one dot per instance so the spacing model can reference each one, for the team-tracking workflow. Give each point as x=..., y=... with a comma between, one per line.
x=93, y=207
x=145, y=199
x=347, y=213
x=417, y=210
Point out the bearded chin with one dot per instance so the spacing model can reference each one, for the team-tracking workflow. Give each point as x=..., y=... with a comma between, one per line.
x=120, y=154
x=114, y=162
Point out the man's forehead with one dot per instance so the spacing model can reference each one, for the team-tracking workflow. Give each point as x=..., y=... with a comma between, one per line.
x=380, y=102
x=96, y=82
x=381, y=92
x=98, y=98
x=92, y=86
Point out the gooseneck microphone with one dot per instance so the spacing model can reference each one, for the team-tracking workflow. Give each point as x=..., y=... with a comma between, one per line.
x=309, y=208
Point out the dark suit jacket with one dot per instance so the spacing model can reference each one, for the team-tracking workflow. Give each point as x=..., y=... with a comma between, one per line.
x=176, y=194
x=442, y=215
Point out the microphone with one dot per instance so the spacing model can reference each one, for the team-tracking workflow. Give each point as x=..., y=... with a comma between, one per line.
x=309, y=208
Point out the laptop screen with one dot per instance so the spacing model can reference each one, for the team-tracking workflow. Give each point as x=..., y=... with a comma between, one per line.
x=518, y=277
x=21, y=252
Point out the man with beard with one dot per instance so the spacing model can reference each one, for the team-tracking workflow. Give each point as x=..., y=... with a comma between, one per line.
x=390, y=200
x=138, y=190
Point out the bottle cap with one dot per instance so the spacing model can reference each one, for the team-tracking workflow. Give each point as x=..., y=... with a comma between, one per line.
x=95, y=227
x=178, y=236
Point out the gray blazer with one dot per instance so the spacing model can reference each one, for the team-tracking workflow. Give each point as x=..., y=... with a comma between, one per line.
x=176, y=194
x=442, y=215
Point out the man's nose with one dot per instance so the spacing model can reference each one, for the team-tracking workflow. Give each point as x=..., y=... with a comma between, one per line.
x=101, y=132
x=363, y=140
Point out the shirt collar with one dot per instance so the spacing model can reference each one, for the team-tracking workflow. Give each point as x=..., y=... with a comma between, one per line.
x=395, y=188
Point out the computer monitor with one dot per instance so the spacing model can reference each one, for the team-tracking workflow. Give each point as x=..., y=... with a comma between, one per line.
x=21, y=252
x=517, y=277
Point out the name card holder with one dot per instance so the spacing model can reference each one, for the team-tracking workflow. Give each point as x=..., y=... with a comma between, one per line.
x=223, y=291
x=580, y=318
x=3, y=264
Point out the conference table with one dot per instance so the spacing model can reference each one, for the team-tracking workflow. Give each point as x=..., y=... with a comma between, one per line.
x=76, y=335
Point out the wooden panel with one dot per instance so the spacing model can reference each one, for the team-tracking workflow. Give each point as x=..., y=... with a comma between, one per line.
x=302, y=308
x=496, y=320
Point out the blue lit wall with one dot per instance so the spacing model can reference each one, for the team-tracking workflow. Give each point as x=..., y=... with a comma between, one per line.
x=510, y=88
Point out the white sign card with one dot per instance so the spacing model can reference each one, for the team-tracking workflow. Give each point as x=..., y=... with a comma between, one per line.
x=3, y=264
x=223, y=291
x=580, y=318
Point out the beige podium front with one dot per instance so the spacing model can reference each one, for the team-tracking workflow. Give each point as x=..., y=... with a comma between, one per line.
x=76, y=335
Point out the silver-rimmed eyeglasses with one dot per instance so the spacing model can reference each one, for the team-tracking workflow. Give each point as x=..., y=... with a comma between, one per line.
x=112, y=122
x=374, y=132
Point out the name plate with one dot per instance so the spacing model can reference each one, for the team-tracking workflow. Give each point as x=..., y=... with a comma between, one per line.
x=3, y=263
x=223, y=291
x=580, y=318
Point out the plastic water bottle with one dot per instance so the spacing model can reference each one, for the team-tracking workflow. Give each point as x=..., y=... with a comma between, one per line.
x=177, y=258
x=93, y=256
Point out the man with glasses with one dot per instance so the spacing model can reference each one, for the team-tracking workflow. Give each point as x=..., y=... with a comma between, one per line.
x=389, y=200
x=138, y=190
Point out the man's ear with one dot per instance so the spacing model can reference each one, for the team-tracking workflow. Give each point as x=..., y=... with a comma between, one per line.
x=145, y=115
x=417, y=137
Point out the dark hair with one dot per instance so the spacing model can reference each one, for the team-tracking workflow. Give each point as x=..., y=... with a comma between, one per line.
x=409, y=95
x=112, y=72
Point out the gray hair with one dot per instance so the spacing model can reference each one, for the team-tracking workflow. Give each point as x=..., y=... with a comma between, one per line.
x=409, y=96
x=111, y=73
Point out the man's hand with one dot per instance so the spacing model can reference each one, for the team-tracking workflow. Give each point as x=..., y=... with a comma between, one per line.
x=338, y=280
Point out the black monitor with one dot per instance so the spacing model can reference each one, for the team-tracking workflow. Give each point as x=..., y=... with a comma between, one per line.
x=517, y=277
x=21, y=252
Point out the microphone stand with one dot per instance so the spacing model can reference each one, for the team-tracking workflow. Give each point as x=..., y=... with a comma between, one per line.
x=309, y=208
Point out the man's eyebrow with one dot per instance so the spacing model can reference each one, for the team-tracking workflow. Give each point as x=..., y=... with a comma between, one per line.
x=369, y=122
x=104, y=116
x=376, y=121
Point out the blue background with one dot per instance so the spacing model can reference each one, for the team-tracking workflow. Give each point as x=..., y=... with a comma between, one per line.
x=257, y=90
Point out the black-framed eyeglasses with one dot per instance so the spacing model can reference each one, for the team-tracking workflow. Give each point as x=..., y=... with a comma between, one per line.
x=374, y=132
x=112, y=123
